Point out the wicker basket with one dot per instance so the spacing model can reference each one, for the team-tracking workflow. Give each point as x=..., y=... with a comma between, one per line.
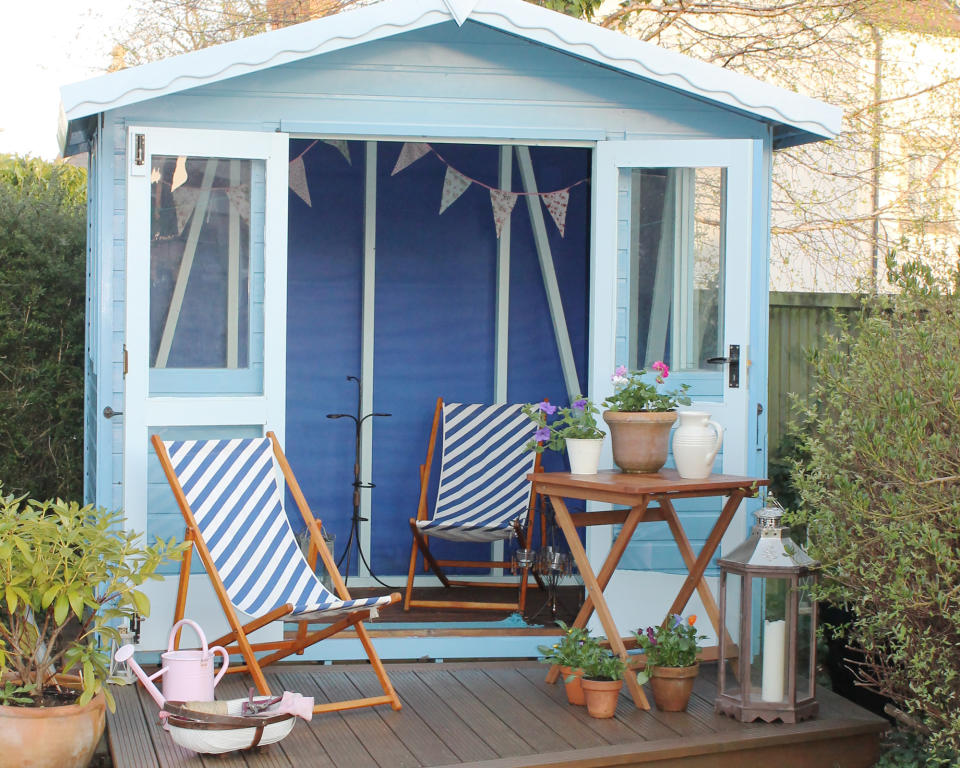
x=214, y=734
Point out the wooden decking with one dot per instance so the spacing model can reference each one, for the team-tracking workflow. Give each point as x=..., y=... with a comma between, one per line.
x=499, y=715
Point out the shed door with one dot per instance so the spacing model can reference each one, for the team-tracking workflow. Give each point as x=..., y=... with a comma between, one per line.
x=672, y=244
x=205, y=319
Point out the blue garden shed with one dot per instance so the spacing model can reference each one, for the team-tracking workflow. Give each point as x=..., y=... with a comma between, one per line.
x=475, y=199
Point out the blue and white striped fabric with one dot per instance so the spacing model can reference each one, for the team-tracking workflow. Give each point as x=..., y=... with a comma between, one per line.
x=231, y=486
x=483, y=473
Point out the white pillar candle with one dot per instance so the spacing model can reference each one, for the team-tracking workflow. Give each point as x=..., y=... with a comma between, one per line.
x=774, y=658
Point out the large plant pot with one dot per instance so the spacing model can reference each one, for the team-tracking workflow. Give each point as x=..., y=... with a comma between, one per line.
x=52, y=737
x=672, y=686
x=641, y=440
x=584, y=454
x=601, y=696
x=573, y=686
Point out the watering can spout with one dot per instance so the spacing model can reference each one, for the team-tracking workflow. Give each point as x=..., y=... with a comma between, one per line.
x=125, y=655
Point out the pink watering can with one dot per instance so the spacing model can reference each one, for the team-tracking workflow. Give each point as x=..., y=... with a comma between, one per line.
x=187, y=675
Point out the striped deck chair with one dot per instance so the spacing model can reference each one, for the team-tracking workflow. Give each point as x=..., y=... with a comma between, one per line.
x=233, y=507
x=483, y=494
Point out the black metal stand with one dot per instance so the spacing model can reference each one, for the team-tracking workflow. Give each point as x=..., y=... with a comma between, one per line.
x=354, y=537
x=552, y=565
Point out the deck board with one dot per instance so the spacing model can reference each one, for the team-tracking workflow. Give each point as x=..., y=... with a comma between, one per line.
x=498, y=715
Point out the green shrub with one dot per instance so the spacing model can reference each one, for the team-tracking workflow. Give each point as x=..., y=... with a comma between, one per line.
x=42, y=215
x=880, y=495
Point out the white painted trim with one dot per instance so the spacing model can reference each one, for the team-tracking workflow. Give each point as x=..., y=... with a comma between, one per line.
x=233, y=274
x=554, y=301
x=367, y=344
x=391, y=17
x=300, y=130
x=502, y=340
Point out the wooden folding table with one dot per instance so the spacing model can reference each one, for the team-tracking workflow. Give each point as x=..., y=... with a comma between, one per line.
x=636, y=492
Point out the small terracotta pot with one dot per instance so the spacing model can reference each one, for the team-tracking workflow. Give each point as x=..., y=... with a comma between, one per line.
x=672, y=686
x=601, y=696
x=640, y=440
x=573, y=688
x=52, y=737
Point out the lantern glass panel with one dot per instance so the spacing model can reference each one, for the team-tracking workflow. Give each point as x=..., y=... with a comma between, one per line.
x=770, y=629
x=806, y=639
x=731, y=683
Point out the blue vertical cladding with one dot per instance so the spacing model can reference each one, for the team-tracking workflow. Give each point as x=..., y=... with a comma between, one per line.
x=90, y=336
x=324, y=274
x=434, y=320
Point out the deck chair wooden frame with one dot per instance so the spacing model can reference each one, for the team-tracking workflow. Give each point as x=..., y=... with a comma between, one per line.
x=421, y=544
x=236, y=641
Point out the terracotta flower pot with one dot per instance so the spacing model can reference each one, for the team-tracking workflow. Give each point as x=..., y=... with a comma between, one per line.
x=573, y=688
x=601, y=696
x=641, y=440
x=52, y=737
x=672, y=686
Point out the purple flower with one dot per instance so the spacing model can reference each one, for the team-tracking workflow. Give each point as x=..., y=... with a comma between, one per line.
x=621, y=370
x=580, y=404
x=677, y=620
x=650, y=635
x=542, y=434
x=546, y=408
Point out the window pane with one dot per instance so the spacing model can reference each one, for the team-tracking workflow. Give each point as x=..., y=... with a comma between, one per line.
x=200, y=263
x=672, y=309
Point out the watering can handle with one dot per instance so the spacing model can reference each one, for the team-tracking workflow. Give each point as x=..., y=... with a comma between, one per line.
x=226, y=662
x=196, y=628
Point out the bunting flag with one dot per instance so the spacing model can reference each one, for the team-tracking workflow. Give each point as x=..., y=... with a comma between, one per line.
x=342, y=146
x=239, y=198
x=179, y=173
x=155, y=175
x=557, y=203
x=185, y=200
x=298, y=180
x=502, y=203
x=454, y=185
x=409, y=154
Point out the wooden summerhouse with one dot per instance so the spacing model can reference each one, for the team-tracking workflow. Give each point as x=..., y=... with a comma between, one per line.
x=477, y=199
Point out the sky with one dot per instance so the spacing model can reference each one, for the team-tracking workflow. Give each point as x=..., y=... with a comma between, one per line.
x=45, y=44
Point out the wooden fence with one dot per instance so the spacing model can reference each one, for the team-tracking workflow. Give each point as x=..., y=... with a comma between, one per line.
x=798, y=321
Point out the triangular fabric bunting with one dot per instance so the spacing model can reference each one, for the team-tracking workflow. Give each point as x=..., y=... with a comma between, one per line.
x=409, y=153
x=179, y=173
x=342, y=146
x=155, y=176
x=502, y=203
x=454, y=185
x=297, y=180
x=239, y=197
x=185, y=200
x=556, y=203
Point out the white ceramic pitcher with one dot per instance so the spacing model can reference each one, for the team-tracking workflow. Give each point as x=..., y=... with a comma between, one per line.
x=695, y=444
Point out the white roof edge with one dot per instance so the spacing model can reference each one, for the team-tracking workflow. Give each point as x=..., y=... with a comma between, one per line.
x=391, y=17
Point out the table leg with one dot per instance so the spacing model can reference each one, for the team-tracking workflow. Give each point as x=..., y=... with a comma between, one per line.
x=689, y=559
x=595, y=591
x=703, y=560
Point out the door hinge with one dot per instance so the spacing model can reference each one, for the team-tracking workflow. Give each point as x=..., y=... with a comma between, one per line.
x=139, y=149
x=125, y=366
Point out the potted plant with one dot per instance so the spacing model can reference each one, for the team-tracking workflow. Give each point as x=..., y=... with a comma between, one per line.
x=671, y=661
x=574, y=428
x=570, y=652
x=602, y=680
x=640, y=418
x=70, y=574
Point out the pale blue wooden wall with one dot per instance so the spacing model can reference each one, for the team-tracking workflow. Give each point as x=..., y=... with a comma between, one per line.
x=444, y=81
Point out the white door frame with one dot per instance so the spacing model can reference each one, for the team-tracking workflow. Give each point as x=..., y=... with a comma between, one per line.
x=737, y=157
x=140, y=409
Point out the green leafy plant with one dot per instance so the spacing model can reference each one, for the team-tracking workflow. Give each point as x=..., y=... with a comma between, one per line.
x=12, y=695
x=672, y=644
x=602, y=664
x=69, y=574
x=634, y=393
x=880, y=494
x=572, y=650
x=578, y=422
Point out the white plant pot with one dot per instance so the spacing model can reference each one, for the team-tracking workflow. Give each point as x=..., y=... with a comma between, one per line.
x=584, y=454
x=695, y=444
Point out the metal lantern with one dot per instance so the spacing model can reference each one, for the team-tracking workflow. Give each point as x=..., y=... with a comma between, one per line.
x=768, y=657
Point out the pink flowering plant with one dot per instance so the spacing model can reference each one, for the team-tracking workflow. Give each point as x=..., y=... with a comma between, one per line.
x=579, y=421
x=633, y=392
x=672, y=644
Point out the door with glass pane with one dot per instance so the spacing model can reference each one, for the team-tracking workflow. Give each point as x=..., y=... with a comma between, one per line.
x=672, y=284
x=205, y=318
